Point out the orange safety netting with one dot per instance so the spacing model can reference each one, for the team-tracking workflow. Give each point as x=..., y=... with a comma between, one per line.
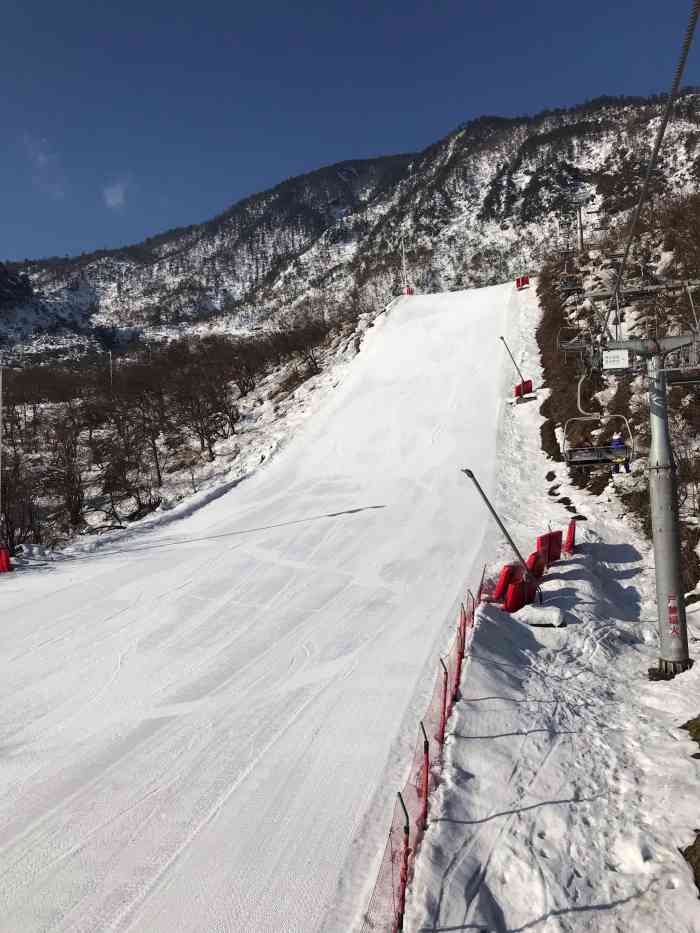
x=386, y=906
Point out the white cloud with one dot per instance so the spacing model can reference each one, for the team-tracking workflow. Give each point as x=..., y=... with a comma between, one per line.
x=47, y=172
x=115, y=195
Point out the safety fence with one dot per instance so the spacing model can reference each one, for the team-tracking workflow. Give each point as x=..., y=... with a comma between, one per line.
x=386, y=909
x=387, y=904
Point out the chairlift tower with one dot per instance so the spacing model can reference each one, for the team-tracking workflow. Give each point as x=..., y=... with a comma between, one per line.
x=663, y=482
x=663, y=500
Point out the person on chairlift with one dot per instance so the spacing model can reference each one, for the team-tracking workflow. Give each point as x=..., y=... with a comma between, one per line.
x=618, y=442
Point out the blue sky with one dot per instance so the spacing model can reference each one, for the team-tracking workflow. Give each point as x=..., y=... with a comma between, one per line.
x=123, y=120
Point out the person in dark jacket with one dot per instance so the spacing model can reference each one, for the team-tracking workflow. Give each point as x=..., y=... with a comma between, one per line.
x=618, y=442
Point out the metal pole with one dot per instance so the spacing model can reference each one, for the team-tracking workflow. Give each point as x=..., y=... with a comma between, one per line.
x=663, y=498
x=403, y=261
x=443, y=707
x=522, y=378
x=470, y=474
x=404, y=865
x=425, y=786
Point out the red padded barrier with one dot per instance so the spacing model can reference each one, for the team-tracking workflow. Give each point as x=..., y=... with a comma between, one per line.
x=504, y=579
x=523, y=388
x=570, y=544
x=515, y=597
x=536, y=564
x=5, y=565
x=554, y=546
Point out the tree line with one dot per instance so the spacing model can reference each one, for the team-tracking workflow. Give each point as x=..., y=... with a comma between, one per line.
x=79, y=440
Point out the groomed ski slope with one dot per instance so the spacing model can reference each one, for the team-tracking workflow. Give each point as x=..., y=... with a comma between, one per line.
x=203, y=727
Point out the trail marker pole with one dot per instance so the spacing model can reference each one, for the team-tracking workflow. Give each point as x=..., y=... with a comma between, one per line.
x=526, y=570
x=517, y=368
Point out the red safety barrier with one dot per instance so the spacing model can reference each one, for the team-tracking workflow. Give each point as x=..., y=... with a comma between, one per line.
x=515, y=596
x=544, y=547
x=505, y=578
x=415, y=790
x=385, y=910
x=570, y=543
x=549, y=546
x=536, y=564
x=555, y=541
x=5, y=565
x=387, y=904
x=454, y=670
x=523, y=388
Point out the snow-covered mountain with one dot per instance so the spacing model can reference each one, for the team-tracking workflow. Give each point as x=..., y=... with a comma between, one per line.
x=474, y=208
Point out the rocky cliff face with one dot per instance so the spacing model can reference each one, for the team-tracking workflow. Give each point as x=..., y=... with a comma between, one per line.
x=473, y=208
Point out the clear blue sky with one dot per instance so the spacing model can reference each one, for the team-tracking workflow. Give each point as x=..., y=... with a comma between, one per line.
x=121, y=120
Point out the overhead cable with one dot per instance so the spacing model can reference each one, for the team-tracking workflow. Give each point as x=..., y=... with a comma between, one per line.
x=680, y=67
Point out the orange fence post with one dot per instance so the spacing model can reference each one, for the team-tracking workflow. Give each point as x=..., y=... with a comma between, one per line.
x=404, y=867
x=461, y=635
x=425, y=783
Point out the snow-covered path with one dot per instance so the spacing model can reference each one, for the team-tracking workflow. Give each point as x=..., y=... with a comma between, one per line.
x=201, y=727
x=568, y=787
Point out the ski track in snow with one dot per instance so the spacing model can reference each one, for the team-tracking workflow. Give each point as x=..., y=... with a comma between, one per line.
x=208, y=736
x=568, y=787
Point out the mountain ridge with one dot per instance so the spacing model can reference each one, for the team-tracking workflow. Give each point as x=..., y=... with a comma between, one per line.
x=473, y=207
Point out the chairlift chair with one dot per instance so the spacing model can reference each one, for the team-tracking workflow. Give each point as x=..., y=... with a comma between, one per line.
x=587, y=457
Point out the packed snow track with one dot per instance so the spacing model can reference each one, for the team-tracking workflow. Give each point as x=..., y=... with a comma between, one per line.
x=199, y=723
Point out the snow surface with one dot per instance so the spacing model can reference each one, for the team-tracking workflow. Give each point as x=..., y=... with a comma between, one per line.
x=568, y=787
x=203, y=726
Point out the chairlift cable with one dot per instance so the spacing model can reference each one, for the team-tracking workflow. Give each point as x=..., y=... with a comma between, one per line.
x=680, y=67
